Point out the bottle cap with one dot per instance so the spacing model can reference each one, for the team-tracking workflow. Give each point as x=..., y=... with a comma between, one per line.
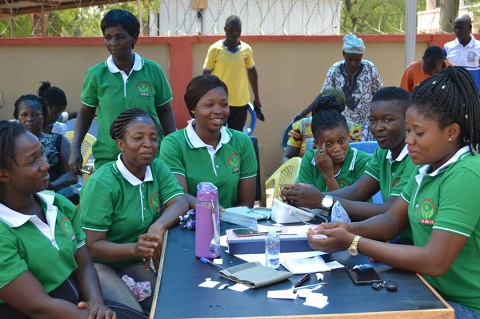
x=206, y=191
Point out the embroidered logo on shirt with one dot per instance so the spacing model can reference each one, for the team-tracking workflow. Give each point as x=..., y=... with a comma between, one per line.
x=144, y=89
x=155, y=202
x=67, y=228
x=427, y=212
x=234, y=161
x=342, y=182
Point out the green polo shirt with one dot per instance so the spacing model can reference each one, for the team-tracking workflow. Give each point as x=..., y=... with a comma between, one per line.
x=111, y=91
x=27, y=243
x=392, y=173
x=233, y=159
x=353, y=167
x=118, y=203
x=447, y=200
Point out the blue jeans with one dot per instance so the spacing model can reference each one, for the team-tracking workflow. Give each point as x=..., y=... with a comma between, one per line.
x=115, y=289
x=463, y=312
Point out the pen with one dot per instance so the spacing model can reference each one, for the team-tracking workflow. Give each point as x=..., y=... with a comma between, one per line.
x=208, y=261
x=301, y=281
x=314, y=286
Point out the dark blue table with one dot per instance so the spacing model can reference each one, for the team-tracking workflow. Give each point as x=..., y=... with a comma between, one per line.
x=178, y=294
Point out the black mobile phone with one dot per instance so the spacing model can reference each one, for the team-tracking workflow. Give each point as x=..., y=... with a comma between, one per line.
x=244, y=232
x=363, y=274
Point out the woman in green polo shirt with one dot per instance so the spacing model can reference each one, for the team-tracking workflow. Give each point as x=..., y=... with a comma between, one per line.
x=207, y=151
x=127, y=206
x=440, y=202
x=333, y=164
x=45, y=268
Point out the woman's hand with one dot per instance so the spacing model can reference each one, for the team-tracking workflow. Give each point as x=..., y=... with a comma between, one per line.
x=149, y=247
x=338, y=237
x=75, y=161
x=97, y=311
x=324, y=162
x=302, y=195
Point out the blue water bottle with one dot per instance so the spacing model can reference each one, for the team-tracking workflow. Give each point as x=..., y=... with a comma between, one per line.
x=207, y=229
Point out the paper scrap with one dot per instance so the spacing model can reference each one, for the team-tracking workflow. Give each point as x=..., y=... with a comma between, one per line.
x=238, y=287
x=222, y=286
x=303, y=293
x=320, y=275
x=218, y=261
x=209, y=283
x=282, y=294
x=334, y=265
x=317, y=300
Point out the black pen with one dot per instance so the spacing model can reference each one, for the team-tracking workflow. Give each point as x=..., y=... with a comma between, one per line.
x=301, y=281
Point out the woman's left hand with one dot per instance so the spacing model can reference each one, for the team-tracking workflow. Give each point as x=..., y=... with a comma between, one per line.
x=337, y=238
x=97, y=311
x=323, y=161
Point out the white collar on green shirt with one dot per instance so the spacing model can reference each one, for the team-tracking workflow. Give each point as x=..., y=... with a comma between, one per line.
x=422, y=171
x=137, y=64
x=400, y=156
x=15, y=219
x=132, y=179
x=194, y=140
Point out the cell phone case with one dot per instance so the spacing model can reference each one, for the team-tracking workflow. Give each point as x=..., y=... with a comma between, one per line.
x=254, y=274
x=363, y=275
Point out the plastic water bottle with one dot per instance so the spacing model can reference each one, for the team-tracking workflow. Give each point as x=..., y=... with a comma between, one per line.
x=272, y=249
x=207, y=229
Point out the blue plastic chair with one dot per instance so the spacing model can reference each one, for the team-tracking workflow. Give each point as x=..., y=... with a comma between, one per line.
x=253, y=120
x=367, y=146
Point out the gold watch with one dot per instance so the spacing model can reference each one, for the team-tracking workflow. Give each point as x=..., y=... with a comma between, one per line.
x=353, y=250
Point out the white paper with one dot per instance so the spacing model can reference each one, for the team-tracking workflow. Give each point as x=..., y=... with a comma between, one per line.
x=209, y=283
x=317, y=300
x=239, y=287
x=306, y=265
x=283, y=256
x=281, y=294
x=334, y=265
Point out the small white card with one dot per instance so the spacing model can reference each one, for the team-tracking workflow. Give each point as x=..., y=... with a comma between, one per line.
x=281, y=294
x=316, y=300
x=238, y=287
x=209, y=283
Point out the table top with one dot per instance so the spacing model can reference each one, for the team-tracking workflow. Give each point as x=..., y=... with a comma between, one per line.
x=178, y=296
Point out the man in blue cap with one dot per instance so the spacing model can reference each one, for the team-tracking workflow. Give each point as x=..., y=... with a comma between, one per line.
x=358, y=79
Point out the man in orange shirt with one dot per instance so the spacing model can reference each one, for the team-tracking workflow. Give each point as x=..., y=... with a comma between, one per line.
x=432, y=62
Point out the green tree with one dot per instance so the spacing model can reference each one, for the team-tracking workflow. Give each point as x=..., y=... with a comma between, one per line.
x=375, y=16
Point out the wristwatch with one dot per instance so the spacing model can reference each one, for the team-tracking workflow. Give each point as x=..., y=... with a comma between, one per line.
x=353, y=250
x=327, y=203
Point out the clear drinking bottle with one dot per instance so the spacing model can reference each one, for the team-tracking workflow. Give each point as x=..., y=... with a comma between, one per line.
x=207, y=230
x=272, y=249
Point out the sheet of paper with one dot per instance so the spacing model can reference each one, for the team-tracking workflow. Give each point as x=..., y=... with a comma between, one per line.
x=281, y=294
x=238, y=287
x=283, y=256
x=335, y=265
x=209, y=283
x=317, y=300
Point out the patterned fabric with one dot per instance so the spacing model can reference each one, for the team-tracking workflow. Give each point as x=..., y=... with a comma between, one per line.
x=52, y=144
x=365, y=83
x=301, y=135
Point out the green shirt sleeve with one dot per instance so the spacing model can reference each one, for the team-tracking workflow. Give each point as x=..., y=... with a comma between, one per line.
x=90, y=88
x=306, y=173
x=163, y=92
x=11, y=263
x=171, y=154
x=97, y=204
x=374, y=166
x=168, y=184
x=409, y=169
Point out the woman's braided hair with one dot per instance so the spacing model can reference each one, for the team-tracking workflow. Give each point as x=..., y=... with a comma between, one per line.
x=450, y=97
x=124, y=119
x=9, y=132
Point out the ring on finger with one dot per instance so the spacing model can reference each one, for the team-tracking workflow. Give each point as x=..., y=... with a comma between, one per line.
x=321, y=152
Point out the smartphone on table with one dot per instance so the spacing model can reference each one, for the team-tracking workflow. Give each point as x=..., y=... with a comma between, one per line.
x=363, y=274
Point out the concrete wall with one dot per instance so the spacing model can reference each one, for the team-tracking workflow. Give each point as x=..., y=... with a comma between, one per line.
x=291, y=70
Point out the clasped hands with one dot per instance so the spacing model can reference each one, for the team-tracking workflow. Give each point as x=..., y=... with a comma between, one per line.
x=338, y=237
